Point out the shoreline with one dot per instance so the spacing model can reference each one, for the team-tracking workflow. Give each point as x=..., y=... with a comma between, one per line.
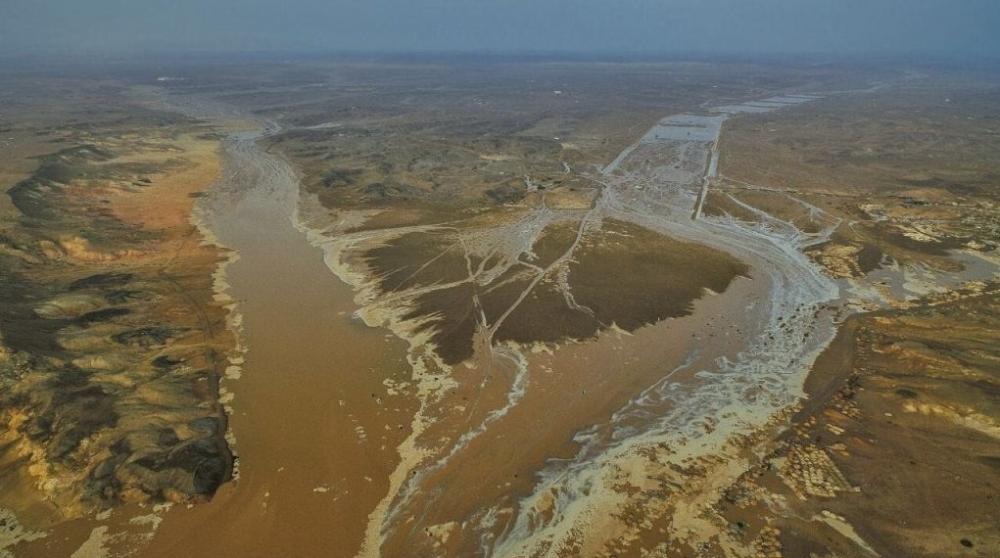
x=234, y=324
x=731, y=419
x=299, y=395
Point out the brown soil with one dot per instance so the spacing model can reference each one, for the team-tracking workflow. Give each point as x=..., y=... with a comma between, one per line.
x=113, y=342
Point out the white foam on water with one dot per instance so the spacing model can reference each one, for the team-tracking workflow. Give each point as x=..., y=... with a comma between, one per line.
x=729, y=395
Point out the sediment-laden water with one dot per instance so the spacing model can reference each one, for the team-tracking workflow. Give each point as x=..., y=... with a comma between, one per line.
x=353, y=439
x=314, y=431
x=710, y=396
x=706, y=392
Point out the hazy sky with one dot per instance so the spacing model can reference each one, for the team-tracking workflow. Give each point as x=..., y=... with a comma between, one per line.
x=968, y=27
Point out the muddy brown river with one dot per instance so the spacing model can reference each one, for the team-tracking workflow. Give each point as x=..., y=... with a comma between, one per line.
x=315, y=433
x=328, y=462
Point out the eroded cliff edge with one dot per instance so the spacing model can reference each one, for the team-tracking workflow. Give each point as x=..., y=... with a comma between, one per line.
x=112, y=341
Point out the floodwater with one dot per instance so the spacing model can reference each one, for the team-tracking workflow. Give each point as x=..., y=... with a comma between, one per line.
x=315, y=430
x=535, y=472
x=695, y=407
x=515, y=450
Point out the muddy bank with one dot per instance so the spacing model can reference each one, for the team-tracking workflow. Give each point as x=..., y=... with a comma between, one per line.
x=555, y=421
x=317, y=416
x=312, y=421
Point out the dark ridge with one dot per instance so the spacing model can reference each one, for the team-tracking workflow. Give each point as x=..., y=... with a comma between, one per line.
x=145, y=337
x=121, y=296
x=935, y=248
x=204, y=458
x=101, y=281
x=381, y=191
x=103, y=315
x=28, y=198
x=869, y=258
x=336, y=178
x=165, y=362
x=23, y=329
x=88, y=408
x=506, y=193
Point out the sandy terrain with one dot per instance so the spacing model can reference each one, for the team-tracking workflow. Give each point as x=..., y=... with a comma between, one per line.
x=506, y=325
x=112, y=341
